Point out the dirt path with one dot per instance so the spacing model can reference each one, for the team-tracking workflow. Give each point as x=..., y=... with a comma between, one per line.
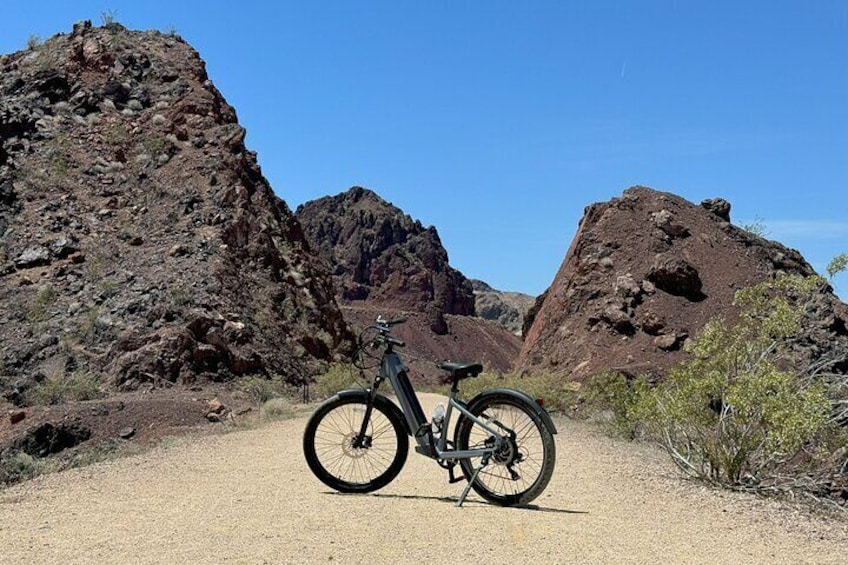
x=248, y=497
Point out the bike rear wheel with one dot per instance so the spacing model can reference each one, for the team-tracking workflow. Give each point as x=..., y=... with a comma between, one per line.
x=340, y=458
x=522, y=468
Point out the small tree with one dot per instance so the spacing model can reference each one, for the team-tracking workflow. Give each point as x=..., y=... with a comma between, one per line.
x=736, y=413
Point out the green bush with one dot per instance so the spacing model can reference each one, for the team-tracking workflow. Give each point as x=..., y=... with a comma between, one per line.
x=61, y=387
x=261, y=389
x=19, y=466
x=617, y=398
x=838, y=264
x=729, y=415
x=339, y=376
x=558, y=394
x=277, y=409
x=737, y=413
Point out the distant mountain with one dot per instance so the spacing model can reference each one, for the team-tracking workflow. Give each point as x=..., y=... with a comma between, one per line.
x=385, y=262
x=506, y=308
x=380, y=256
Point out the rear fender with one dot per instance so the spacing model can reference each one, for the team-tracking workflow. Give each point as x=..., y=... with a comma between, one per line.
x=519, y=396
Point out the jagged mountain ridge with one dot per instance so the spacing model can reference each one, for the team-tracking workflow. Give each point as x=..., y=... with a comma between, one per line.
x=381, y=256
x=138, y=237
x=385, y=262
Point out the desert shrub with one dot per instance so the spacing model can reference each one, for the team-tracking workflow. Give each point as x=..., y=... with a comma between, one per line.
x=339, y=376
x=261, y=389
x=558, y=394
x=108, y=18
x=739, y=413
x=38, y=311
x=757, y=227
x=19, y=466
x=180, y=296
x=60, y=387
x=106, y=451
x=617, y=399
x=277, y=409
x=838, y=264
x=729, y=415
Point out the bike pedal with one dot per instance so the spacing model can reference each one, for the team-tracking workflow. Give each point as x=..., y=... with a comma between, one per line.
x=453, y=478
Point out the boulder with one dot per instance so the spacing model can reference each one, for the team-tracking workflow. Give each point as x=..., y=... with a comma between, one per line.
x=718, y=206
x=676, y=276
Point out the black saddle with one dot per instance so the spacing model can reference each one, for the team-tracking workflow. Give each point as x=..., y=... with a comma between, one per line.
x=459, y=371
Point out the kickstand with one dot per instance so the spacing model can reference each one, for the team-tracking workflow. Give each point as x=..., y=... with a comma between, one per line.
x=483, y=463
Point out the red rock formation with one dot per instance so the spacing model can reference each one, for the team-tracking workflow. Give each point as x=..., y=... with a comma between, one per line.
x=138, y=237
x=644, y=273
x=380, y=256
x=384, y=262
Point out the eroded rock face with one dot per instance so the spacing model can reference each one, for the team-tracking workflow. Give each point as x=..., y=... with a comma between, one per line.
x=645, y=272
x=506, y=308
x=380, y=256
x=138, y=237
x=385, y=263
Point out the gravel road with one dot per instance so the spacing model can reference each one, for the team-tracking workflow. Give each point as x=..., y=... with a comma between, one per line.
x=248, y=497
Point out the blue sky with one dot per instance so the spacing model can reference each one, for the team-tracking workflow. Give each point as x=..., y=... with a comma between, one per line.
x=498, y=122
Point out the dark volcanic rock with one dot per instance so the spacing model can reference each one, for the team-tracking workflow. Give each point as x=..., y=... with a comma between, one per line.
x=47, y=439
x=676, y=276
x=718, y=206
x=386, y=263
x=137, y=229
x=380, y=255
x=646, y=271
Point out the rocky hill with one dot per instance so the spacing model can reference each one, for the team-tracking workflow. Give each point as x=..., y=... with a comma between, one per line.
x=380, y=256
x=385, y=262
x=506, y=308
x=139, y=241
x=644, y=273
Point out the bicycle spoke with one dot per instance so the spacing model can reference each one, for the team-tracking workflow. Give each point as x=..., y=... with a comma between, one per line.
x=334, y=444
x=503, y=478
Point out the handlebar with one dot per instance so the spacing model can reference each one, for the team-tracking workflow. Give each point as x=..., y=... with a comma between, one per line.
x=389, y=323
x=383, y=326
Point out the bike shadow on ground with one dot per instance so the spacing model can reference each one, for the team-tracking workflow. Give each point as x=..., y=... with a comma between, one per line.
x=468, y=502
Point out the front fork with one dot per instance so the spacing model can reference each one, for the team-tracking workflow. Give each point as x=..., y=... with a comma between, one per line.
x=359, y=442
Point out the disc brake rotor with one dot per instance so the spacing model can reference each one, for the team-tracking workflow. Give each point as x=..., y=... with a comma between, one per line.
x=351, y=449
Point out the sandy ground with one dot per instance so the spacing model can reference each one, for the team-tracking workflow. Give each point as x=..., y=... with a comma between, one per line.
x=248, y=497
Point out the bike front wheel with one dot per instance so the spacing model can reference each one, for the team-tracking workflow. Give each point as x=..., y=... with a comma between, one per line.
x=521, y=468
x=347, y=462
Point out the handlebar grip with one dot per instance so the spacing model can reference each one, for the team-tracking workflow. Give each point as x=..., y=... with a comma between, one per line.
x=396, y=321
x=395, y=342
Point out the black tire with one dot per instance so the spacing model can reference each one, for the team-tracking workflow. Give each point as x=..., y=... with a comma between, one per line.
x=328, y=444
x=531, y=457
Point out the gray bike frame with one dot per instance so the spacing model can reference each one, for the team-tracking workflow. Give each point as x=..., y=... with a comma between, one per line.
x=394, y=370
